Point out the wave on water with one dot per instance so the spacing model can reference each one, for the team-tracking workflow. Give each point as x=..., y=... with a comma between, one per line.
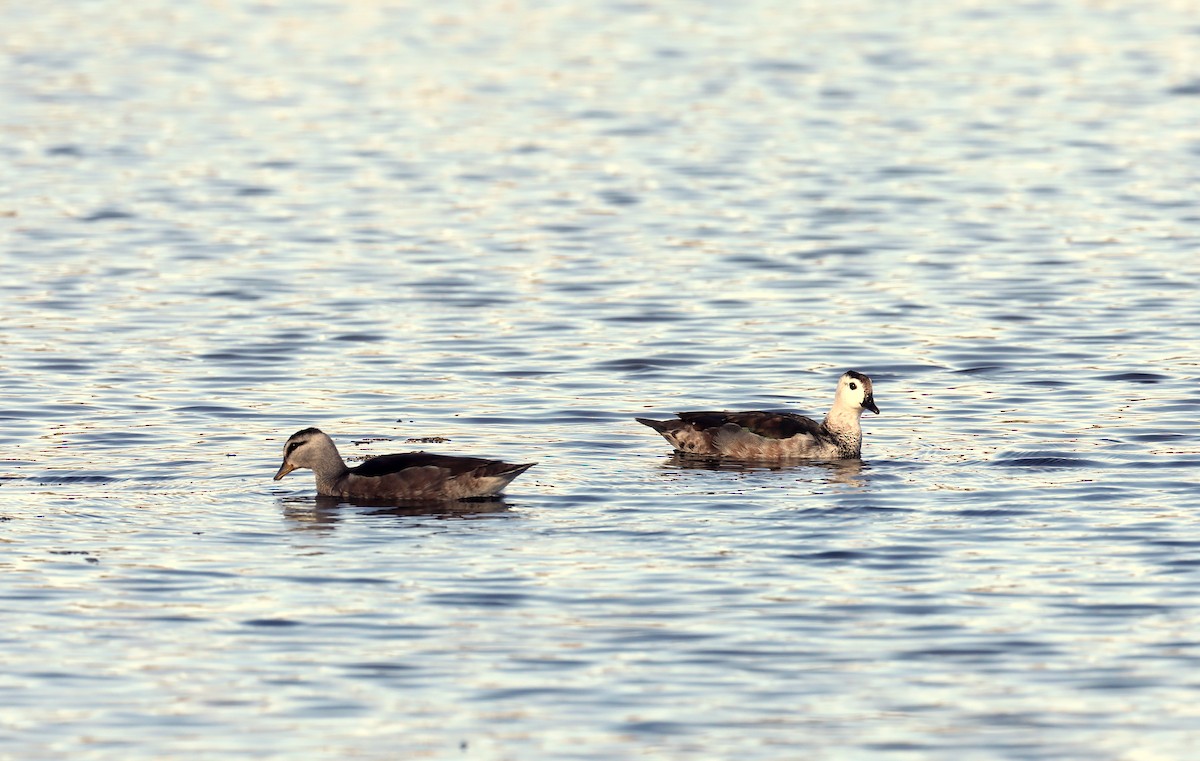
x=1018, y=458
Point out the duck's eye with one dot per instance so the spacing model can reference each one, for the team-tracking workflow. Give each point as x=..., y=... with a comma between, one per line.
x=292, y=446
x=853, y=386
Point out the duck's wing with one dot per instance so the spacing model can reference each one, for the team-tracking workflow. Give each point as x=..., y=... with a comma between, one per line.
x=769, y=425
x=422, y=475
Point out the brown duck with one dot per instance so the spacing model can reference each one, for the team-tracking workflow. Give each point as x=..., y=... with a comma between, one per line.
x=404, y=477
x=776, y=435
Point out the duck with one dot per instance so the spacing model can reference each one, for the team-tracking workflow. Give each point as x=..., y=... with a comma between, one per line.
x=776, y=436
x=412, y=476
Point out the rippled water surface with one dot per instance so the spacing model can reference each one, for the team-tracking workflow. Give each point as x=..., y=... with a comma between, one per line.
x=517, y=225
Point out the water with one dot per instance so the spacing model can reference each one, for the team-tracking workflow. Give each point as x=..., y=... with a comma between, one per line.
x=519, y=225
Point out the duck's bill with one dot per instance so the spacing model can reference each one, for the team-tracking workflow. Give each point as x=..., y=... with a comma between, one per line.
x=869, y=403
x=284, y=469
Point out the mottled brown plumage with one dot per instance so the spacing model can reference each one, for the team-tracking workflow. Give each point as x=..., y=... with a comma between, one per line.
x=775, y=435
x=419, y=476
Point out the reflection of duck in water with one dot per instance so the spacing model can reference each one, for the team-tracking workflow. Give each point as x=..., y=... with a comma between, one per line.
x=319, y=513
x=845, y=472
x=776, y=435
x=405, y=477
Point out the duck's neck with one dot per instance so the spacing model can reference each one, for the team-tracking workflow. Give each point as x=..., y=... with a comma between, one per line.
x=843, y=425
x=329, y=469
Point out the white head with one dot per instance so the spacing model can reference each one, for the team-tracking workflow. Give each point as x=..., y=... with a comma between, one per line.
x=854, y=391
x=309, y=448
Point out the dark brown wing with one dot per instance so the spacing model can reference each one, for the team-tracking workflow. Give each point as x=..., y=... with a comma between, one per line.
x=394, y=463
x=771, y=425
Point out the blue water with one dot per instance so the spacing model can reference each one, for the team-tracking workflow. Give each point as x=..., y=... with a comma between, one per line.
x=517, y=226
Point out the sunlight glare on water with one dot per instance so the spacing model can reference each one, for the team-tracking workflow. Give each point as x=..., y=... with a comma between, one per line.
x=516, y=226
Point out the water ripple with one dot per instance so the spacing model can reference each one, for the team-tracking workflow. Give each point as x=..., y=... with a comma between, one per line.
x=226, y=223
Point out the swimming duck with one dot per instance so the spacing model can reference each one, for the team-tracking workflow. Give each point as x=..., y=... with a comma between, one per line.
x=775, y=435
x=409, y=476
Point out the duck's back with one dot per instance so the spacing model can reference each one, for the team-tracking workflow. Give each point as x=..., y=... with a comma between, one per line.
x=771, y=425
x=388, y=464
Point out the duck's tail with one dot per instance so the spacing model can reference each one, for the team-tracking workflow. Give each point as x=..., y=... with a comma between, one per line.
x=487, y=482
x=658, y=425
x=513, y=471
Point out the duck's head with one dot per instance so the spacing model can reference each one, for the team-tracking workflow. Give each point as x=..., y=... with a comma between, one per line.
x=854, y=391
x=306, y=449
